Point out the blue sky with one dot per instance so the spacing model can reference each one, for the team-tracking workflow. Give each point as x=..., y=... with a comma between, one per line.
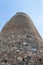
x=34, y=8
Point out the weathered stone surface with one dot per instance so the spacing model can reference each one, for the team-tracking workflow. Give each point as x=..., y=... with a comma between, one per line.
x=20, y=42
x=19, y=24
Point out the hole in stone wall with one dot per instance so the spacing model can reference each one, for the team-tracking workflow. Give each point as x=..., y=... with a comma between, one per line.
x=40, y=59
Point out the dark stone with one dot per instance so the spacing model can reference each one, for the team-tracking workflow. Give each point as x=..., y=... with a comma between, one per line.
x=21, y=63
x=24, y=59
x=26, y=44
x=28, y=58
x=40, y=59
x=4, y=60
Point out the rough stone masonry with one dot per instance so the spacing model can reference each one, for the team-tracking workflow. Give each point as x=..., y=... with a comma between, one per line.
x=20, y=42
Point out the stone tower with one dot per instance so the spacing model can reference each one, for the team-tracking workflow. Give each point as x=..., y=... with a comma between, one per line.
x=20, y=23
x=19, y=42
